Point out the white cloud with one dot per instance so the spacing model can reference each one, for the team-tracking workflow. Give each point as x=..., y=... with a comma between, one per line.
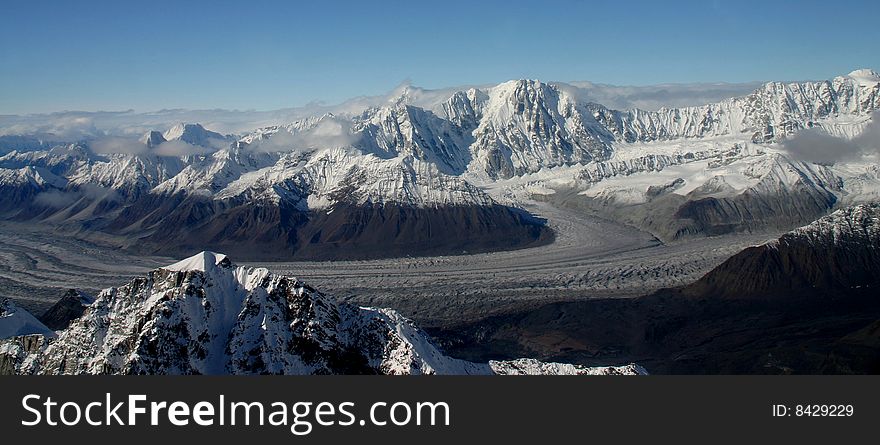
x=133, y=146
x=122, y=145
x=329, y=132
x=280, y=141
x=816, y=146
x=869, y=139
x=654, y=97
x=98, y=193
x=66, y=127
x=56, y=199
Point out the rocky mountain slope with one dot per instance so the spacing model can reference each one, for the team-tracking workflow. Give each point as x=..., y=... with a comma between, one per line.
x=70, y=307
x=836, y=253
x=204, y=315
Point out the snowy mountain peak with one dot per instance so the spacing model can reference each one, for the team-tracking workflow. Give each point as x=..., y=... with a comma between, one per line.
x=522, y=90
x=865, y=74
x=528, y=366
x=202, y=261
x=194, y=134
x=152, y=139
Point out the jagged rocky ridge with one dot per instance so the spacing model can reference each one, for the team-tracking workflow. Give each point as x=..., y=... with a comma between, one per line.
x=70, y=307
x=204, y=315
x=773, y=111
x=343, y=185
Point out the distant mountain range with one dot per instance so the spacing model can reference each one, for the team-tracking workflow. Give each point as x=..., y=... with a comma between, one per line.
x=75, y=125
x=451, y=175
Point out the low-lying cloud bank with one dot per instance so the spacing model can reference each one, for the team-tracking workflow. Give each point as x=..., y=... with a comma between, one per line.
x=58, y=199
x=816, y=146
x=329, y=132
x=134, y=146
x=654, y=97
x=117, y=144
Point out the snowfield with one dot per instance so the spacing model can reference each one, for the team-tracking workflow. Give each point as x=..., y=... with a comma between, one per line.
x=15, y=321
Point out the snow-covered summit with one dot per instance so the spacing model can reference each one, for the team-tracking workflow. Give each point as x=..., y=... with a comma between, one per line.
x=202, y=261
x=865, y=75
x=194, y=134
x=527, y=366
x=153, y=139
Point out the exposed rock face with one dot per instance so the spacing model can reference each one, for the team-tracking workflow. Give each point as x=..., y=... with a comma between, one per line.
x=671, y=333
x=17, y=354
x=256, y=230
x=838, y=252
x=70, y=307
x=204, y=315
x=770, y=204
x=380, y=231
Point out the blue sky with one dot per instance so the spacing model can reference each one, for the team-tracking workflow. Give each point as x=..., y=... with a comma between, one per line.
x=149, y=55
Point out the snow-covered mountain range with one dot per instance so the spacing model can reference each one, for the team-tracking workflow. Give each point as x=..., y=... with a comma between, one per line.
x=204, y=315
x=417, y=168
